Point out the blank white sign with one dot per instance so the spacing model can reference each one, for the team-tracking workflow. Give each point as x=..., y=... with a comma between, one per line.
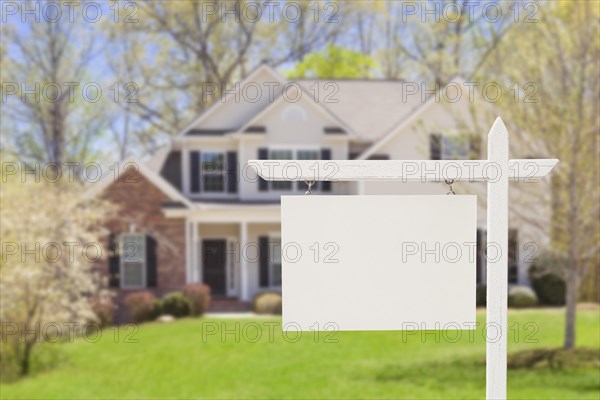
x=378, y=262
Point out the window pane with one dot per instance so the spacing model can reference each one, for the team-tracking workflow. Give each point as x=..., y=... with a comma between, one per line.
x=213, y=172
x=455, y=147
x=281, y=155
x=132, y=248
x=308, y=155
x=275, y=262
x=213, y=183
x=133, y=260
x=133, y=274
x=281, y=185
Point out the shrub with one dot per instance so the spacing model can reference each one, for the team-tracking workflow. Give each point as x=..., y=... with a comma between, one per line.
x=548, y=262
x=267, y=303
x=481, y=295
x=550, y=289
x=104, y=309
x=141, y=306
x=198, y=296
x=175, y=304
x=157, y=309
x=521, y=296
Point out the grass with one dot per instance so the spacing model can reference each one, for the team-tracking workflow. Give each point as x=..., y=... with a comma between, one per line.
x=174, y=361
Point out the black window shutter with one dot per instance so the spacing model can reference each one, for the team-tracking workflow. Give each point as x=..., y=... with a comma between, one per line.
x=114, y=262
x=263, y=186
x=151, y=278
x=475, y=147
x=232, y=172
x=435, y=146
x=195, y=171
x=513, y=262
x=480, y=256
x=171, y=169
x=326, y=155
x=263, y=246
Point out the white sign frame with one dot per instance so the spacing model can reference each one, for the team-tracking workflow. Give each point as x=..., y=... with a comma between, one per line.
x=497, y=170
x=418, y=278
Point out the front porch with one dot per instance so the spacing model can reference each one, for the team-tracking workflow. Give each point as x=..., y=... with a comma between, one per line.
x=238, y=256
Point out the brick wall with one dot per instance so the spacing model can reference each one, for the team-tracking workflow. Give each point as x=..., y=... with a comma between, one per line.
x=139, y=202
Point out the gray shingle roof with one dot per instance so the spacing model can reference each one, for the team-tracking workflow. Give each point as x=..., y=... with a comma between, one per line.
x=370, y=107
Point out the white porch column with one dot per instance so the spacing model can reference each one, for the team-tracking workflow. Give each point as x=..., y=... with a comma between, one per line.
x=244, y=289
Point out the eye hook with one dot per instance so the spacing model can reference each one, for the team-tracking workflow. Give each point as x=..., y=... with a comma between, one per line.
x=310, y=184
x=449, y=182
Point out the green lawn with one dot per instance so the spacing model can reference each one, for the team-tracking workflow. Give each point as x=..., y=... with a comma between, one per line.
x=173, y=361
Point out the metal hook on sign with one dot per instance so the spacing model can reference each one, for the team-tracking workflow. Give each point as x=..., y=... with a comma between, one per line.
x=449, y=182
x=310, y=184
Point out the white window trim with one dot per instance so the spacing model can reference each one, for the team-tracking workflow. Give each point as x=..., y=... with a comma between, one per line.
x=122, y=261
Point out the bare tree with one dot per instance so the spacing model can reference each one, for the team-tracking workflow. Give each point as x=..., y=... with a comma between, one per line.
x=197, y=49
x=46, y=116
x=455, y=40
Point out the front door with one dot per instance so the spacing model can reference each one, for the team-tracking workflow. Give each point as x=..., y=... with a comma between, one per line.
x=213, y=265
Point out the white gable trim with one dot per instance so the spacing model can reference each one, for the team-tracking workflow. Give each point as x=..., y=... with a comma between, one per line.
x=217, y=104
x=404, y=123
x=152, y=176
x=323, y=110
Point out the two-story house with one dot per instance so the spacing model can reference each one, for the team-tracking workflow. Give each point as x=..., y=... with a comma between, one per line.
x=197, y=213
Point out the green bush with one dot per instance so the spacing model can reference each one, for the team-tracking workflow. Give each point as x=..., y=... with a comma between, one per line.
x=141, y=306
x=481, y=295
x=546, y=278
x=10, y=359
x=198, y=296
x=550, y=289
x=267, y=303
x=157, y=309
x=521, y=296
x=175, y=304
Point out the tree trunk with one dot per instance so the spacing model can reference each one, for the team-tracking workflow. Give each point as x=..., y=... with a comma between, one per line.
x=572, y=247
x=26, y=357
x=571, y=300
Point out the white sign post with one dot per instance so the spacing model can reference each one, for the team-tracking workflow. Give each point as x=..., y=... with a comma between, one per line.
x=497, y=170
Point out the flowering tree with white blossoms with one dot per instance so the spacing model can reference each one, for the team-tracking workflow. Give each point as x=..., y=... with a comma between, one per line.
x=49, y=248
